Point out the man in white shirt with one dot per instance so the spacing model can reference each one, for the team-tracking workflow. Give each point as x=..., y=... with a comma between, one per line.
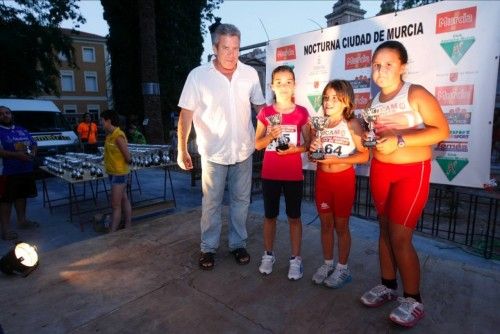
x=217, y=99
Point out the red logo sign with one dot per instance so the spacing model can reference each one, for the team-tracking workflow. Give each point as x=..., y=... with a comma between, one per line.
x=460, y=19
x=361, y=100
x=286, y=52
x=455, y=95
x=359, y=59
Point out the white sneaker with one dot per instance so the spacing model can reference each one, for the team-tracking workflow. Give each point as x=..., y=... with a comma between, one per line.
x=408, y=313
x=322, y=273
x=266, y=264
x=296, y=270
x=338, y=278
x=378, y=296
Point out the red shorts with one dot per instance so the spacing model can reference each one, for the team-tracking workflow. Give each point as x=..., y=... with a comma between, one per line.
x=400, y=191
x=335, y=192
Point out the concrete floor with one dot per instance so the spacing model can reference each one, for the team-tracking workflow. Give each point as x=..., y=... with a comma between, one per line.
x=146, y=280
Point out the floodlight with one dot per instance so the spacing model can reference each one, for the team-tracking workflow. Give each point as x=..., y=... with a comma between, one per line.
x=22, y=259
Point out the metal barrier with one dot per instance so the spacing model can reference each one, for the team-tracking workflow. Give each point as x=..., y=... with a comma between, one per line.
x=466, y=216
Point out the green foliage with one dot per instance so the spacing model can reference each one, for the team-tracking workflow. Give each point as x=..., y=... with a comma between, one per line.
x=31, y=40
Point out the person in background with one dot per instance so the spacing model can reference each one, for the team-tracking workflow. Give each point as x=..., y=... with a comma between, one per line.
x=217, y=98
x=336, y=179
x=135, y=136
x=17, y=180
x=282, y=169
x=87, y=132
x=116, y=163
x=409, y=122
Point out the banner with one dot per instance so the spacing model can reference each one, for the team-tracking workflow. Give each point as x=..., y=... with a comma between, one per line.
x=453, y=49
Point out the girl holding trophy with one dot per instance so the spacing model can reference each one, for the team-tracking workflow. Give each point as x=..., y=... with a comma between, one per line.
x=341, y=142
x=409, y=121
x=279, y=129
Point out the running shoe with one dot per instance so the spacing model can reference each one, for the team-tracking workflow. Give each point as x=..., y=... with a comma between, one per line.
x=338, y=278
x=322, y=273
x=408, y=313
x=266, y=264
x=296, y=270
x=378, y=296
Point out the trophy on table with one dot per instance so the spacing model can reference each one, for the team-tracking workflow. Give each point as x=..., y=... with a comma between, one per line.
x=370, y=116
x=281, y=141
x=319, y=123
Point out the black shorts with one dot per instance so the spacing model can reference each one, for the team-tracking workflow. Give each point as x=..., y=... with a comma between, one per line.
x=271, y=192
x=19, y=186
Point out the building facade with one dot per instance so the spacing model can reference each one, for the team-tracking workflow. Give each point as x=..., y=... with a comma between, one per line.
x=345, y=11
x=87, y=87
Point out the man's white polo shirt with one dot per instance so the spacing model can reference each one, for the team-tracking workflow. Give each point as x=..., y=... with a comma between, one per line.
x=221, y=110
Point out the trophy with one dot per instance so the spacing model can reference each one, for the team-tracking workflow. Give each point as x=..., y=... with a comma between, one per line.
x=319, y=124
x=281, y=142
x=370, y=116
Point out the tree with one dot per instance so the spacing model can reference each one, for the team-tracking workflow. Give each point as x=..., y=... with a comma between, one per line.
x=123, y=46
x=149, y=72
x=407, y=4
x=31, y=41
x=387, y=6
x=179, y=45
x=391, y=6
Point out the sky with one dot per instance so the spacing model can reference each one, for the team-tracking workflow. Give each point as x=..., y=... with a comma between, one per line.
x=279, y=18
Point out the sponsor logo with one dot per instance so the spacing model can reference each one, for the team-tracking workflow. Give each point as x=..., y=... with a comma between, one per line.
x=324, y=206
x=361, y=100
x=457, y=48
x=459, y=134
x=361, y=81
x=455, y=95
x=51, y=137
x=458, y=116
x=315, y=101
x=455, y=20
x=452, y=146
x=360, y=59
x=451, y=167
x=286, y=52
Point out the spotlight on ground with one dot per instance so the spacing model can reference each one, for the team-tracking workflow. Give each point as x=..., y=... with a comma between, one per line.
x=22, y=259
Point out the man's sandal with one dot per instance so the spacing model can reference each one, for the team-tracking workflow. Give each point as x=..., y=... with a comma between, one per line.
x=206, y=261
x=241, y=256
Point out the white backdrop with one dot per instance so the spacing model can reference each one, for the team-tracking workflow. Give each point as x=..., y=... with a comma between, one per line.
x=453, y=49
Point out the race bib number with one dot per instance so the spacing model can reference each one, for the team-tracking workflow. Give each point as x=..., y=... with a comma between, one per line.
x=288, y=132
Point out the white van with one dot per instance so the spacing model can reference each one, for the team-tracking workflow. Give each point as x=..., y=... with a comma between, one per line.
x=46, y=124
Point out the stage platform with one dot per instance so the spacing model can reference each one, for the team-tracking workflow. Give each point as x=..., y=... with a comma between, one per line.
x=146, y=280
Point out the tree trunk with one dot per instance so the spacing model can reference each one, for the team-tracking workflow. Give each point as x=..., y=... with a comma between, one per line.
x=149, y=74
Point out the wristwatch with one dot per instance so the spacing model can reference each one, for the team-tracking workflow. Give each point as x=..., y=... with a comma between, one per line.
x=401, y=141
